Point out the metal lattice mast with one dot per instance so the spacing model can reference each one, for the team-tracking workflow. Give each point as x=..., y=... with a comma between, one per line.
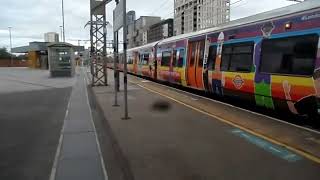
x=98, y=34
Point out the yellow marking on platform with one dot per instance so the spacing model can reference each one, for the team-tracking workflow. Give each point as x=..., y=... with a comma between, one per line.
x=274, y=141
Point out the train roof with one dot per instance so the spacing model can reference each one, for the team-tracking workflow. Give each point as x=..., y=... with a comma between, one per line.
x=276, y=13
x=280, y=12
x=150, y=45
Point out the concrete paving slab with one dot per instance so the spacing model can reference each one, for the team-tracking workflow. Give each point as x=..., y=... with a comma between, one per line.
x=80, y=169
x=75, y=115
x=77, y=126
x=79, y=145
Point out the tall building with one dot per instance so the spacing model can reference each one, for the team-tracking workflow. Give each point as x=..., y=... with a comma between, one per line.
x=138, y=31
x=131, y=17
x=161, y=30
x=51, y=37
x=194, y=15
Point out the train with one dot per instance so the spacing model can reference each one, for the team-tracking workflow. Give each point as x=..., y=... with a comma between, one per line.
x=271, y=60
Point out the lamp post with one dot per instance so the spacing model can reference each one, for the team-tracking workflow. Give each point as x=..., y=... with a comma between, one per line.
x=11, y=58
x=63, y=32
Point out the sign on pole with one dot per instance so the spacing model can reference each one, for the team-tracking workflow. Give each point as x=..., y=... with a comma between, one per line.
x=117, y=16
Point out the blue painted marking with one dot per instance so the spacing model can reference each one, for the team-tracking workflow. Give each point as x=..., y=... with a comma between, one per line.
x=250, y=39
x=296, y=33
x=272, y=148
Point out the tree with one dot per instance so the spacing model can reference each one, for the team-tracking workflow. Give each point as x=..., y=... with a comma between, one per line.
x=4, y=54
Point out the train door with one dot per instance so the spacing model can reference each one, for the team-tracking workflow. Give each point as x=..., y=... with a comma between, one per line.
x=172, y=64
x=135, y=62
x=199, y=67
x=154, y=63
x=209, y=67
x=195, y=64
x=191, y=65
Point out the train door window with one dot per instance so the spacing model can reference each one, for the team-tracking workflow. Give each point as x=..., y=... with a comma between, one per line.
x=145, y=59
x=181, y=57
x=193, y=54
x=237, y=57
x=174, y=58
x=139, y=60
x=292, y=55
x=201, y=54
x=212, y=57
x=165, y=60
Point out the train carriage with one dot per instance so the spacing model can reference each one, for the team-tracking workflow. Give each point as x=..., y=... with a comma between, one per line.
x=271, y=59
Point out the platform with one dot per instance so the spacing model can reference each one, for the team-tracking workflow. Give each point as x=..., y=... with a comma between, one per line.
x=176, y=135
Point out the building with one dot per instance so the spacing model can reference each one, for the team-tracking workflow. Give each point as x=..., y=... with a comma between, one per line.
x=194, y=15
x=51, y=37
x=138, y=31
x=161, y=30
x=131, y=17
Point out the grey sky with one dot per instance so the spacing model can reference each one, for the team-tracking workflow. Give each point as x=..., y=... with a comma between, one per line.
x=30, y=19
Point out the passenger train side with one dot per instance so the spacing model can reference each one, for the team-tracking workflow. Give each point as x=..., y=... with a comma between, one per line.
x=271, y=60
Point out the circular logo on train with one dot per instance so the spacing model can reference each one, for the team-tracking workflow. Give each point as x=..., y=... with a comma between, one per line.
x=238, y=82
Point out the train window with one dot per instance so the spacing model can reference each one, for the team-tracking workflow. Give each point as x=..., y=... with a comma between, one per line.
x=130, y=60
x=166, y=58
x=174, y=58
x=145, y=59
x=225, y=62
x=212, y=57
x=241, y=62
x=201, y=54
x=237, y=57
x=181, y=58
x=293, y=55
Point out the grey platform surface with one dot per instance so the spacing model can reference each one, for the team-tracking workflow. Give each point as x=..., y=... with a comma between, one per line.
x=79, y=156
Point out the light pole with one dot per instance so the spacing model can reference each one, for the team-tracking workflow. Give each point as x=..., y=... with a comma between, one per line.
x=63, y=32
x=11, y=60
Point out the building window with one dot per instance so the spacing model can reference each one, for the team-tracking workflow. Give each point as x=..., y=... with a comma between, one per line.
x=237, y=57
x=291, y=55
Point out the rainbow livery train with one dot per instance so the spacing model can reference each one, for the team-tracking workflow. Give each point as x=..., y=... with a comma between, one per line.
x=271, y=59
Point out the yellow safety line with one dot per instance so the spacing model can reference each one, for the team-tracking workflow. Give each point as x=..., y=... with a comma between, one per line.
x=274, y=141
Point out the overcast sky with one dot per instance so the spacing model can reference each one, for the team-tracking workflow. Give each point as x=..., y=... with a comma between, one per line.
x=30, y=19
